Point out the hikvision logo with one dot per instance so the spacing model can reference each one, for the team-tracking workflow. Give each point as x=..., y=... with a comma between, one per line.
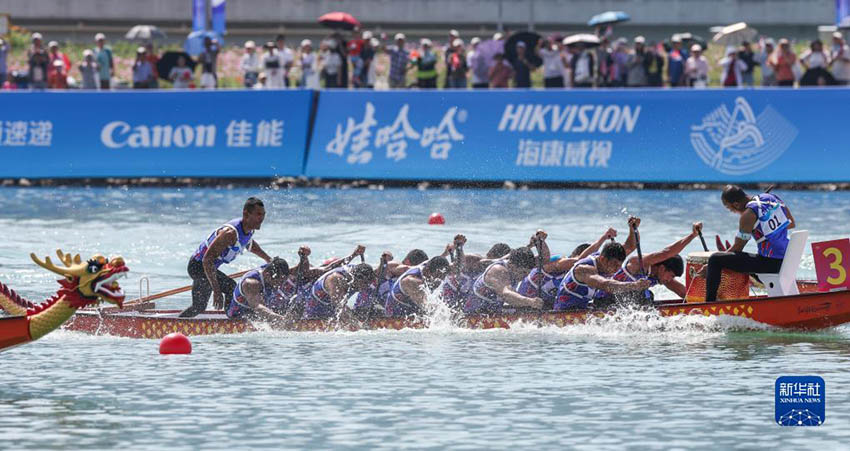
x=569, y=118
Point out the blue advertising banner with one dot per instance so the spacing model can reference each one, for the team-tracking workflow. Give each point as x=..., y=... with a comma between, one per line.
x=747, y=135
x=243, y=133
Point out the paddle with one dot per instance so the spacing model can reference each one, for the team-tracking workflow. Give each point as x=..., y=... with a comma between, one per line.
x=704, y=246
x=547, y=305
x=174, y=291
x=637, y=246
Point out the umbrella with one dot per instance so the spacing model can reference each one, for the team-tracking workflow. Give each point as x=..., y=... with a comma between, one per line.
x=145, y=33
x=339, y=19
x=735, y=34
x=587, y=39
x=488, y=49
x=529, y=38
x=169, y=60
x=608, y=17
x=194, y=44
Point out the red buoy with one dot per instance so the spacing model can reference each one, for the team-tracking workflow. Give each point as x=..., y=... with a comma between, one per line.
x=436, y=219
x=175, y=343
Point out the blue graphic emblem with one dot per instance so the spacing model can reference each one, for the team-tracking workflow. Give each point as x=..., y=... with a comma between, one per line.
x=800, y=401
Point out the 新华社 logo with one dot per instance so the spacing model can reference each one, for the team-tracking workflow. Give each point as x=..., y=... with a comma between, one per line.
x=800, y=401
x=740, y=142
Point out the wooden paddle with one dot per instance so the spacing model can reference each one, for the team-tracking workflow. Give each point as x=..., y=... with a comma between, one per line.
x=637, y=246
x=704, y=246
x=174, y=291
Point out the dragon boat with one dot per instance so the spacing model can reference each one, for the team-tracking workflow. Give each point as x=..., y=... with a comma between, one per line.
x=83, y=284
x=809, y=310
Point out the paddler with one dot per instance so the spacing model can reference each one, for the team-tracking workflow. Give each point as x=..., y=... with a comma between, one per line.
x=372, y=300
x=660, y=267
x=766, y=219
x=496, y=285
x=409, y=292
x=594, y=273
x=554, y=270
x=330, y=292
x=257, y=290
x=222, y=246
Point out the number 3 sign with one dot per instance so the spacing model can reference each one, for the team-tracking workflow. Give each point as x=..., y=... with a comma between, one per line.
x=832, y=264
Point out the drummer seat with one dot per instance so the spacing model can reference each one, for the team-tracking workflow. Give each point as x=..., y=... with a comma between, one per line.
x=785, y=282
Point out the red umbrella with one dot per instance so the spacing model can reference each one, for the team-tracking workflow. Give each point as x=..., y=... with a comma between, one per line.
x=339, y=19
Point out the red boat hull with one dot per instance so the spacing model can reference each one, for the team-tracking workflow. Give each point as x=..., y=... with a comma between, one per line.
x=806, y=311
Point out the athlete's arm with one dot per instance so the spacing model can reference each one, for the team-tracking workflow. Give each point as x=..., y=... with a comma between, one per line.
x=611, y=233
x=630, y=244
x=225, y=238
x=499, y=280
x=258, y=251
x=671, y=250
x=413, y=288
x=676, y=287
x=560, y=265
x=745, y=231
x=790, y=217
x=589, y=276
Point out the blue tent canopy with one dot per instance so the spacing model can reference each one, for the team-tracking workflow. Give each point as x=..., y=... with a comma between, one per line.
x=608, y=17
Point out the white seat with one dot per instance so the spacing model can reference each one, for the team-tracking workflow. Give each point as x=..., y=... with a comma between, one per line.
x=785, y=282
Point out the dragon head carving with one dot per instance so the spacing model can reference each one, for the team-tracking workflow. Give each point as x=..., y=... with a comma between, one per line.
x=92, y=281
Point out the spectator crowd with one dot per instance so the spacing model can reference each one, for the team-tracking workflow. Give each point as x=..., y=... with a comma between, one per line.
x=364, y=60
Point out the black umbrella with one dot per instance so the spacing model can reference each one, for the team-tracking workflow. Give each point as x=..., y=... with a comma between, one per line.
x=529, y=38
x=169, y=60
x=688, y=40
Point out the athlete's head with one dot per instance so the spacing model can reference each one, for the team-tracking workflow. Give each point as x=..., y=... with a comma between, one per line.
x=498, y=250
x=276, y=271
x=415, y=257
x=363, y=275
x=611, y=258
x=734, y=198
x=253, y=213
x=670, y=269
x=520, y=262
x=579, y=249
x=435, y=271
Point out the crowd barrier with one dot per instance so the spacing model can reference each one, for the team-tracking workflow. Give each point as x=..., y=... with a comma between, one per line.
x=154, y=134
x=743, y=135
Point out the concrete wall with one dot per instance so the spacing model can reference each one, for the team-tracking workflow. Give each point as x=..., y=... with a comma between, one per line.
x=460, y=12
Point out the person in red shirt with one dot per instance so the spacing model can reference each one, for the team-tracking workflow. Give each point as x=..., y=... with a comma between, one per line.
x=57, y=70
x=153, y=59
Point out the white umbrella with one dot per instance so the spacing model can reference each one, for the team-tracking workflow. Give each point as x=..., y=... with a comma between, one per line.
x=145, y=33
x=735, y=34
x=582, y=38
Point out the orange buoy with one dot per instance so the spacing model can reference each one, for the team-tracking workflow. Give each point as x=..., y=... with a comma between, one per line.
x=436, y=219
x=175, y=343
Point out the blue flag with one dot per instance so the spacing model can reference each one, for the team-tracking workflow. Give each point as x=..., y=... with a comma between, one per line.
x=842, y=12
x=199, y=15
x=219, y=16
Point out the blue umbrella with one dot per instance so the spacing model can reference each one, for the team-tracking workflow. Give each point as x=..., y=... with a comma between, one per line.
x=608, y=17
x=194, y=44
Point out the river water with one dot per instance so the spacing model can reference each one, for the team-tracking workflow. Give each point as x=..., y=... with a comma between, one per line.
x=634, y=381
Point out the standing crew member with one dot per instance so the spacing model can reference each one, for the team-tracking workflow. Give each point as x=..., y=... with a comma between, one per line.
x=765, y=218
x=222, y=246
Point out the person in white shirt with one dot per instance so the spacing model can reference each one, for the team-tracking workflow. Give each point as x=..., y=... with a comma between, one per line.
x=768, y=77
x=840, y=59
x=250, y=65
x=733, y=68
x=331, y=63
x=272, y=67
x=696, y=68
x=478, y=66
x=287, y=58
x=553, y=65
x=309, y=75
x=815, y=61
x=180, y=75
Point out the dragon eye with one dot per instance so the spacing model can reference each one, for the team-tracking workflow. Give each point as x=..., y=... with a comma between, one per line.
x=95, y=264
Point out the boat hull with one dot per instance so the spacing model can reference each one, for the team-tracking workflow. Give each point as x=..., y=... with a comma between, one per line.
x=806, y=311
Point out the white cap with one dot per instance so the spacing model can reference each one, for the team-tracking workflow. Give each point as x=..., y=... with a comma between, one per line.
x=696, y=48
x=99, y=36
x=640, y=40
x=367, y=34
x=306, y=42
x=457, y=43
x=520, y=44
x=87, y=52
x=475, y=40
x=36, y=36
x=837, y=35
x=454, y=33
x=141, y=49
x=374, y=42
x=676, y=38
x=53, y=44
x=731, y=49
x=498, y=36
x=400, y=36
x=425, y=41
x=250, y=45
